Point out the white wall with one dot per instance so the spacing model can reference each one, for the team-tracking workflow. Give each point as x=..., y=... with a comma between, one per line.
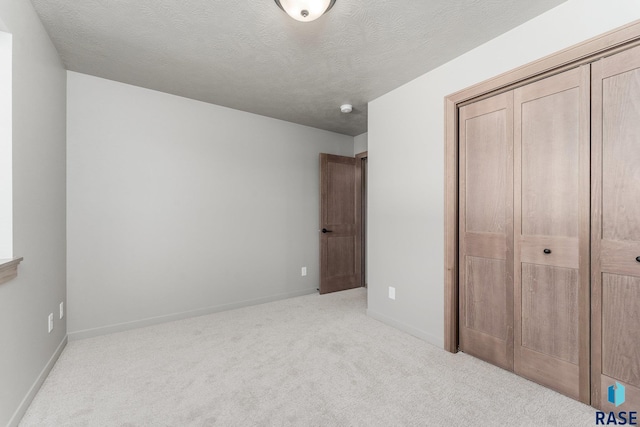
x=6, y=167
x=178, y=207
x=39, y=92
x=360, y=143
x=406, y=167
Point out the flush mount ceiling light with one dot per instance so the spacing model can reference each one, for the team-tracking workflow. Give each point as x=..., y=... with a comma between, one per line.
x=305, y=10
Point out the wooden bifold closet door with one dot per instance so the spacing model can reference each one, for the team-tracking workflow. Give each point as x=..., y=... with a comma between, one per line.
x=551, y=276
x=615, y=295
x=524, y=231
x=486, y=230
x=548, y=267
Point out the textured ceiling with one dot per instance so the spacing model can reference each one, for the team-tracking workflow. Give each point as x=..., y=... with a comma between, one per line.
x=249, y=55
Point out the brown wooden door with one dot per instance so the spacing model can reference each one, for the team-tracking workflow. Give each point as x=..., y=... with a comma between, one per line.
x=551, y=224
x=486, y=230
x=339, y=249
x=616, y=229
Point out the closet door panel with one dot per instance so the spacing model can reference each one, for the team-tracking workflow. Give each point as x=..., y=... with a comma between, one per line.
x=621, y=158
x=616, y=229
x=550, y=164
x=617, y=257
x=486, y=230
x=492, y=246
x=551, y=227
x=621, y=332
x=565, y=254
x=550, y=312
x=486, y=166
x=485, y=296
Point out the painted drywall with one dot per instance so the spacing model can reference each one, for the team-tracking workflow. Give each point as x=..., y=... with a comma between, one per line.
x=177, y=207
x=406, y=167
x=360, y=143
x=27, y=350
x=6, y=167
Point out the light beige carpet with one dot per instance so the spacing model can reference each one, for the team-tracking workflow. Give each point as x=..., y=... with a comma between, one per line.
x=308, y=361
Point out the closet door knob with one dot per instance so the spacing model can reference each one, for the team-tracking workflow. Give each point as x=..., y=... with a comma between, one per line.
x=548, y=251
x=638, y=259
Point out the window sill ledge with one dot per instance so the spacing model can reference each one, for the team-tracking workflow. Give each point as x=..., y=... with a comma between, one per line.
x=9, y=269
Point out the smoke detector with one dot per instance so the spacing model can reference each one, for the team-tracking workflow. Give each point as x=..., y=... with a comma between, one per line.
x=346, y=108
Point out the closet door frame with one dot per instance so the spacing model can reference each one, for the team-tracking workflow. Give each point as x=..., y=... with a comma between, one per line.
x=587, y=52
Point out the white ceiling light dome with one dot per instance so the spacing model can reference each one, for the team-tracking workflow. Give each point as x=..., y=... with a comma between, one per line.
x=305, y=10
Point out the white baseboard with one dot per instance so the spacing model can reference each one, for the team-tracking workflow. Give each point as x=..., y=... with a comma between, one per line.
x=24, y=405
x=120, y=327
x=423, y=335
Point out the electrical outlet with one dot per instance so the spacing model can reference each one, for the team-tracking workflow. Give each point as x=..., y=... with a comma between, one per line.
x=304, y=271
x=61, y=310
x=392, y=293
x=50, y=322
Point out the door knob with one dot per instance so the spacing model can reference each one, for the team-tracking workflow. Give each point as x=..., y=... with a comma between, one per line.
x=324, y=230
x=547, y=251
x=638, y=259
